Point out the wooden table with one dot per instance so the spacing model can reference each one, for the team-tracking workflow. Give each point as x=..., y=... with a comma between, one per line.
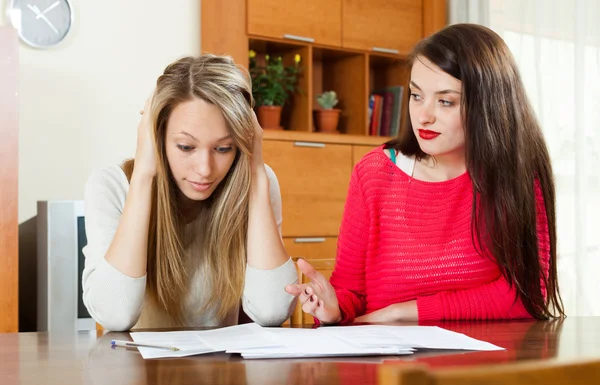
x=87, y=358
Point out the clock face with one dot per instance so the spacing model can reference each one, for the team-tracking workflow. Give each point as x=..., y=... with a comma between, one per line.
x=41, y=23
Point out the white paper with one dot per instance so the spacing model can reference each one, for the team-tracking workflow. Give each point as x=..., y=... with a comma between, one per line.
x=148, y=353
x=312, y=343
x=365, y=353
x=433, y=337
x=253, y=341
x=205, y=341
x=368, y=336
x=238, y=337
x=187, y=342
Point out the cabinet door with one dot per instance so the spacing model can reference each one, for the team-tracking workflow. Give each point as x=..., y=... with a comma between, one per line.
x=314, y=179
x=393, y=26
x=319, y=20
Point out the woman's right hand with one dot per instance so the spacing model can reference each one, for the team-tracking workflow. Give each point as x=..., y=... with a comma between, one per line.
x=317, y=297
x=145, y=158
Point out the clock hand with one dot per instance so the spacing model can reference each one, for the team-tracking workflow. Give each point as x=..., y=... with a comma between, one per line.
x=36, y=10
x=48, y=9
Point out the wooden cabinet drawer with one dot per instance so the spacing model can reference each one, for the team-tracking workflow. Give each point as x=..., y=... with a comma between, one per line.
x=311, y=248
x=314, y=179
x=393, y=26
x=319, y=21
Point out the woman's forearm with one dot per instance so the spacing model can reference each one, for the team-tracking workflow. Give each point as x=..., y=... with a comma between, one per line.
x=398, y=312
x=265, y=248
x=129, y=247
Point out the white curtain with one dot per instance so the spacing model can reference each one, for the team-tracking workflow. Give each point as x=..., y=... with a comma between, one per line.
x=556, y=44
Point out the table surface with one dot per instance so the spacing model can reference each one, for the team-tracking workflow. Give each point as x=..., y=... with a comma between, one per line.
x=87, y=357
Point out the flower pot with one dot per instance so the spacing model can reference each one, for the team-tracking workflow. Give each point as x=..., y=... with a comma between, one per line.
x=269, y=117
x=327, y=120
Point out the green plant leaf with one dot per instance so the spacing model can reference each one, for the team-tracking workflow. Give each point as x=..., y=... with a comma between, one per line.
x=273, y=83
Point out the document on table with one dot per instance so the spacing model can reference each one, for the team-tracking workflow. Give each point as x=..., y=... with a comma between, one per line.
x=253, y=341
x=319, y=343
x=192, y=343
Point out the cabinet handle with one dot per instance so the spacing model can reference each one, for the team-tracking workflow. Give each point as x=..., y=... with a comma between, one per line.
x=385, y=50
x=309, y=240
x=309, y=144
x=299, y=38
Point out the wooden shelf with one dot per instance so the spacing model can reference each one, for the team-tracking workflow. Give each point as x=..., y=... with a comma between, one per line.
x=342, y=43
x=331, y=70
x=297, y=112
x=296, y=136
x=270, y=45
x=353, y=74
x=387, y=71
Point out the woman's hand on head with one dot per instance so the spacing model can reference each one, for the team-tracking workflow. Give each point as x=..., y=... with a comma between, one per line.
x=317, y=297
x=145, y=158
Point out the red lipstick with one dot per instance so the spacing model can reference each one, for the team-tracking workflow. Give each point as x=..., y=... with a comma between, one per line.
x=428, y=134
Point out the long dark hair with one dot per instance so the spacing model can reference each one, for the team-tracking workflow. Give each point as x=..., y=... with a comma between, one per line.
x=505, y=154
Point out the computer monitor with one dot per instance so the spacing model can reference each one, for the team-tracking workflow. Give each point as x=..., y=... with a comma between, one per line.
x=61, y=238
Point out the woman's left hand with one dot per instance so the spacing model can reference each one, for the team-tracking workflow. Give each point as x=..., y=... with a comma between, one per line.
x=257, y=155
x=398, y=312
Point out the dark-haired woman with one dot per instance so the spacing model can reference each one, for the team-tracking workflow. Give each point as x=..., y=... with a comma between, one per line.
x=455, y=218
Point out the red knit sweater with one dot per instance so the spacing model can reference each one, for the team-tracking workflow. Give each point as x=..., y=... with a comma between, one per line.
x=403, y=239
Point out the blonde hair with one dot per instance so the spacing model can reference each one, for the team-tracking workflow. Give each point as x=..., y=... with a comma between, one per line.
x=224, y=216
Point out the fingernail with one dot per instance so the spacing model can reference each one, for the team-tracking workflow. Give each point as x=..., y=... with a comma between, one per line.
x=306, y=291
x=312, y=299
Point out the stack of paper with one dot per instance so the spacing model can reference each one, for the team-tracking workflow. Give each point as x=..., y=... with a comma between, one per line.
x=254, y=341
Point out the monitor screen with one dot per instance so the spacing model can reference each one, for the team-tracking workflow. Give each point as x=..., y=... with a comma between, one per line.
x=81, y=242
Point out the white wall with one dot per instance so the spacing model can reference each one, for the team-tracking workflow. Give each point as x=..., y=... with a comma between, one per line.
x=79, y=102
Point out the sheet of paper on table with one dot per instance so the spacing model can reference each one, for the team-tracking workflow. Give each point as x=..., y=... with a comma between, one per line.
x=253, y=341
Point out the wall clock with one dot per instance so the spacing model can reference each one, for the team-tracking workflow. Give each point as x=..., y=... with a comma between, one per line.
x=41, y=23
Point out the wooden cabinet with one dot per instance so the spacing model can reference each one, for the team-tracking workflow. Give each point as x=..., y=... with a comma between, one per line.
x=314, y=21
x=314, y=178
x=353, y=47
x=223, y=27
x=393, y=26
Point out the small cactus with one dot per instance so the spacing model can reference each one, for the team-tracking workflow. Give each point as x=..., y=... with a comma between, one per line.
x=327, y=100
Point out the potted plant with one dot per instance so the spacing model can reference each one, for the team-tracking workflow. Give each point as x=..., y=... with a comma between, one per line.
x=327, y=117
x=272, y=85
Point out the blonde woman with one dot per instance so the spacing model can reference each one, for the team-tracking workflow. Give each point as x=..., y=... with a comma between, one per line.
x=190, y=229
